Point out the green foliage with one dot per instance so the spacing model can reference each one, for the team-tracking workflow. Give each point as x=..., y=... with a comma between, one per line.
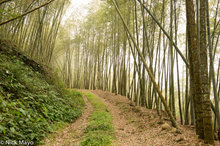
x=96, y=102
x=97, y=138
x=99, y=130
x=100, y=120
x=31, y=103
x=7, y=13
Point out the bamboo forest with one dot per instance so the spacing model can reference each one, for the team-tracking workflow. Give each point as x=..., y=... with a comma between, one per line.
x=110, y=72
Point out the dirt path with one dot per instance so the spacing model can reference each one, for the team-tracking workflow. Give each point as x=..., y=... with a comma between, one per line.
x=134, y=126
x=126, y=132
x=72, y=134
x=138, y=126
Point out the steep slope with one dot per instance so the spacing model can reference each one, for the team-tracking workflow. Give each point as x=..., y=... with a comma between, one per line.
x=32, y=101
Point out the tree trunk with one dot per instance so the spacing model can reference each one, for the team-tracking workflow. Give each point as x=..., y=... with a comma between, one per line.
x=205, y=90
x=194, y=57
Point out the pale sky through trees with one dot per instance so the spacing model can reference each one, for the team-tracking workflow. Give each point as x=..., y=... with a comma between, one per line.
x=78, y=10
x=77, y=6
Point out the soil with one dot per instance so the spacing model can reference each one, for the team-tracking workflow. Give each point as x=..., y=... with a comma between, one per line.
x=134, y=125
x=138, y=126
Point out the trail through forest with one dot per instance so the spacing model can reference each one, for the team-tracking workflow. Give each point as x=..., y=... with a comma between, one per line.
x=161, y=55
x=134, y=125
x=138, y=126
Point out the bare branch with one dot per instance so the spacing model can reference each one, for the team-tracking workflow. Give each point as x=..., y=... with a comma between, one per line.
x=26, y=13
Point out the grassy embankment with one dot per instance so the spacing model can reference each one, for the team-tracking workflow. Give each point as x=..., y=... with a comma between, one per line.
x=100, y=130
x=32, y=102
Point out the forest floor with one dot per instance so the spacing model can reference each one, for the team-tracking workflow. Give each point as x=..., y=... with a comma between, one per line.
x=134, y=125
x=72, y=134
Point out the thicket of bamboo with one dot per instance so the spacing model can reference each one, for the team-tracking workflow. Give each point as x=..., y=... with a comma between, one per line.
x=140, y=49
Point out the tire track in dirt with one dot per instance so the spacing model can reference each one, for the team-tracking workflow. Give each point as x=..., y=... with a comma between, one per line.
x=126, y=132
x=138, y=126
x=134, y=125
x=72, y=134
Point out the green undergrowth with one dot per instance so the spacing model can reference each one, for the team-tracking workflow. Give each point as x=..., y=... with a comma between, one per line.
x=100, y=130
x=31, y=103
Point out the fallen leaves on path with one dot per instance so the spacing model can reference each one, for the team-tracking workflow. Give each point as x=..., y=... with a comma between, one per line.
x=138, y=126
x=134, y=126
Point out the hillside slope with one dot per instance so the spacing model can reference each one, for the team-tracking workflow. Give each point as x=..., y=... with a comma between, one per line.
x=31, y=100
